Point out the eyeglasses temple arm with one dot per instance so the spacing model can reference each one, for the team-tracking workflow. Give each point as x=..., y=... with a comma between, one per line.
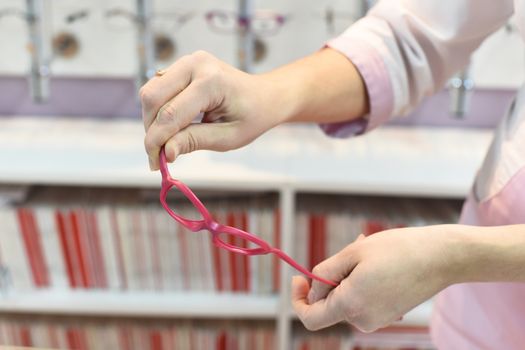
x=300, y=268
x=163, y=165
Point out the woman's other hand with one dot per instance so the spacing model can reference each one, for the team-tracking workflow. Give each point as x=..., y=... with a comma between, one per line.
x=381, y=278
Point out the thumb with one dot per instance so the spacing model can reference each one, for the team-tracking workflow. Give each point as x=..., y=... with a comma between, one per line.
x=322, y=314
x=198, y=136
x=335, y=268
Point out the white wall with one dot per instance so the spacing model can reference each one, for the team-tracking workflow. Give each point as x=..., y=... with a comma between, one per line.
x=107, y=46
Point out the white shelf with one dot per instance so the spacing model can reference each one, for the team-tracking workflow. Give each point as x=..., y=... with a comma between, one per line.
x=150, y=304
x=155, y=304
x=436, y=162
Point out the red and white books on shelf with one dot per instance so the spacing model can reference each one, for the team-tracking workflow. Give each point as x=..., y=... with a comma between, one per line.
x=324, y=227
x=107, y=241
x=125, y=334
x=122, y=245
x=136, y=335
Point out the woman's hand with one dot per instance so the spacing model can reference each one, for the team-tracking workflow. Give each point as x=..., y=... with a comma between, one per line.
x=381, y=278
x=237, y=107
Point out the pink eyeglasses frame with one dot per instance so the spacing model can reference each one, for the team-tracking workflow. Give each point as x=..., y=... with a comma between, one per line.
x=215, y=228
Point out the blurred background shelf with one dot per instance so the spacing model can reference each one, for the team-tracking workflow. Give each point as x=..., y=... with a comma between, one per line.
x=155, y=304
x=149, y=304
x=425, y=162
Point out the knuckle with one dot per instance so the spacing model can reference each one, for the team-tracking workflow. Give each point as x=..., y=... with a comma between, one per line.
x=210, y=84
x=366, y=326
x=209, y=75
x=212, y=77
x=352, y=310
x=201, y=56
x=366, y=322
x=349, y=315
x=167, y=115
x=147, y=97
x=207, y=67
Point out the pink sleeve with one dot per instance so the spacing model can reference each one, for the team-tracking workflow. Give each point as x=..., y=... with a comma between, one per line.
x=370, y=65
x=406, y=50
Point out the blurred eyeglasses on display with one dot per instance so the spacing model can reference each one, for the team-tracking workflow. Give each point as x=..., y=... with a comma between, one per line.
x=263, y=22
x=172, y=20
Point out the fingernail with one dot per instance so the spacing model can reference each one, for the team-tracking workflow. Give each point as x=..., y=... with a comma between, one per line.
x=151, y=167
x=175, y=154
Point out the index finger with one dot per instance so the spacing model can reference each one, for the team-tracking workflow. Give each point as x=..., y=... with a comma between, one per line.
x=163, y=87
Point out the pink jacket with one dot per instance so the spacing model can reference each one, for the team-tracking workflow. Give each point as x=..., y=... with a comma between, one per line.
x=406, y=50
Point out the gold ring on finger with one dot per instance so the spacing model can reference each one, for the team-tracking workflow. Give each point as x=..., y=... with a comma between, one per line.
x=160, y=72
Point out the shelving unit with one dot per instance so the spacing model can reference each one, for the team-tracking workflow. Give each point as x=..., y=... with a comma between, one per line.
x=389, y=161
x=152, y=304
x=289, y=160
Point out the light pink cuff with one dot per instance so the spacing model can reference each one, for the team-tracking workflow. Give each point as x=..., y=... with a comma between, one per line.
x=372, y=68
